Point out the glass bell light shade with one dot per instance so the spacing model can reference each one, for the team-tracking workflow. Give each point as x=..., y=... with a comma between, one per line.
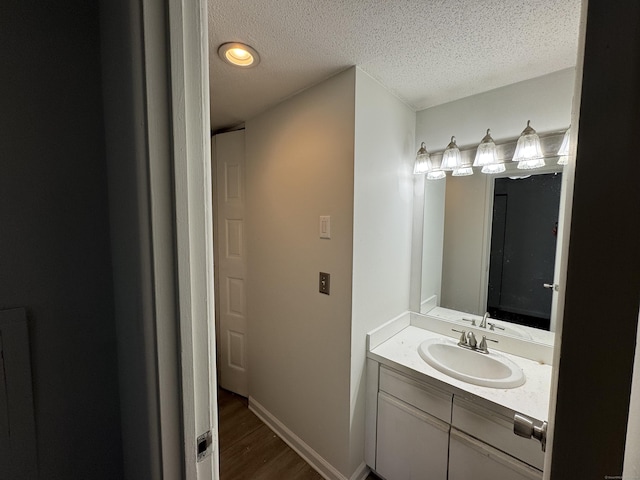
x=487, y=156
x=495, y=168
x=422, y=161
x=464, y=170
x=436, y=175
x=435, y=172
x=451, y=158
x=563, y=152
x=528, y=152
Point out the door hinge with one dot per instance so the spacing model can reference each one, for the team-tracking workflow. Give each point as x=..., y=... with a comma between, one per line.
x=203, y=445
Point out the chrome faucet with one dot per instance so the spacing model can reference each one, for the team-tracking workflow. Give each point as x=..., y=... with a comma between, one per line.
x=483, y=323
x=471, y=341
x=468, y=340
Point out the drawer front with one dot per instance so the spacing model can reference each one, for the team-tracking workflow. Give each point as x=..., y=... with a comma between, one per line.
x=472, y=459
x=424, y=397
x=497, y=430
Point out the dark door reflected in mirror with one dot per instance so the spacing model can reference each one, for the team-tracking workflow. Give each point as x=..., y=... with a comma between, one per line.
x=523, y=249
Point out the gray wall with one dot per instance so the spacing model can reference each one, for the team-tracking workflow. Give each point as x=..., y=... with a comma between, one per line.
x=54, y=241
x=299, y=165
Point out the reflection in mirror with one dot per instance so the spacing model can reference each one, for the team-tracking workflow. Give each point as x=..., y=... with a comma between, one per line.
x=524, y=231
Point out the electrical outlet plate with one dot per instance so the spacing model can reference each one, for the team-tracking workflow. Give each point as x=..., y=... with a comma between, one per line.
x=324, y=282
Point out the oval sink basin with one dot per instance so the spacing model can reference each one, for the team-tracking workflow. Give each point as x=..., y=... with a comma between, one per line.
x=487, y=370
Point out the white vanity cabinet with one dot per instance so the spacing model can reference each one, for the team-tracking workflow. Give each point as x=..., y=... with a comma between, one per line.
x=470, y=458
x=418, y=430
x=411, y=439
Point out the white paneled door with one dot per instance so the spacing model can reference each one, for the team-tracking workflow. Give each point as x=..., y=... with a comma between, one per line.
x=229, y=153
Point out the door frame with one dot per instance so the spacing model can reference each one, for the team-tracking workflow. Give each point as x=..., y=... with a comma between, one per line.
x=156, y=114
x=193, y=209
x=608, y=25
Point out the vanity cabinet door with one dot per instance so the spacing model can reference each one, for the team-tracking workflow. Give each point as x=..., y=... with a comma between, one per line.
x=411, y=445
x=472, y=459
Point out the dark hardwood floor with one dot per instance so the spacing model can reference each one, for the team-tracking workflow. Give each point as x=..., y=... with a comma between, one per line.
x=249, y=450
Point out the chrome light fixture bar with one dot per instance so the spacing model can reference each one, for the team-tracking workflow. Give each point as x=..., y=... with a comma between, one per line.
x=550, y=144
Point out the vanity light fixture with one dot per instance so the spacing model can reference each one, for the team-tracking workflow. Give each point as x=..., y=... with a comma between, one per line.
x=528, y=152
x=238, y=54
x=563, y=153
x=451, y=158
x=487, y=156
x=422, y=160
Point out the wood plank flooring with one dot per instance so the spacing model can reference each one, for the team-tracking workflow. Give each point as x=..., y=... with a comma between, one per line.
x=249, y=450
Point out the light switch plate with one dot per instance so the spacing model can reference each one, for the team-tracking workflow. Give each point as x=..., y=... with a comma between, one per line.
x=325, y=226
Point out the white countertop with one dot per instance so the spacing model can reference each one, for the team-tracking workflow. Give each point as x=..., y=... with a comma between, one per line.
x=400, y=352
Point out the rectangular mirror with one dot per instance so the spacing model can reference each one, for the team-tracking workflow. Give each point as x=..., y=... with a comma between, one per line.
x=453, y=218
x=498, y=243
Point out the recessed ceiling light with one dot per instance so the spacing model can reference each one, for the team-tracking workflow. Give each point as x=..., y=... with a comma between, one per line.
x=239, y=54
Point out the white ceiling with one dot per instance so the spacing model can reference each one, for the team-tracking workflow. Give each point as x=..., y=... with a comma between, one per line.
x=427, y=52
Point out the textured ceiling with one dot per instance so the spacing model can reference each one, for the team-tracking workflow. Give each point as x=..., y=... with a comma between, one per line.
x=426, y=52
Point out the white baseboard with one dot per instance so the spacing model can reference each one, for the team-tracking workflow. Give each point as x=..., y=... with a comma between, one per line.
x=309, y=455
x=361, y=473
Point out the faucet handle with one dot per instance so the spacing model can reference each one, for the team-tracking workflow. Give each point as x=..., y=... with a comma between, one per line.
x=483, y=344
x=493, y=326
x=463, y=336
x=472, y=320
